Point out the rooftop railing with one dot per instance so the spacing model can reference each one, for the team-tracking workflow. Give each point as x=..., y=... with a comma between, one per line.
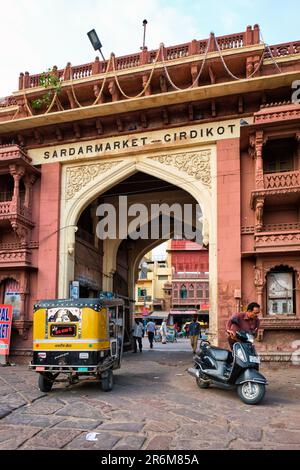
x=228, y=42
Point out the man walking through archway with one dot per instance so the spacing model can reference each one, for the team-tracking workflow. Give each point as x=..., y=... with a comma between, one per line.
x=150, y=331
x=194, y=333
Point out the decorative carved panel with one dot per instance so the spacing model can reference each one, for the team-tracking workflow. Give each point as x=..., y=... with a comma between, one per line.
x=80, y=176
x=196, y=164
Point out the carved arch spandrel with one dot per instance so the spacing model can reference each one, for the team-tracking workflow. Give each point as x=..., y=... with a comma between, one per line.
x=77, y=177
x=195, y=164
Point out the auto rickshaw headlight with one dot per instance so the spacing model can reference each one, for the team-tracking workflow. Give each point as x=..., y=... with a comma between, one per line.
x=84, y=355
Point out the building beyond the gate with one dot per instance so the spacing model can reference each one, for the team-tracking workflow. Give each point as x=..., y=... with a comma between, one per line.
x=214, y=122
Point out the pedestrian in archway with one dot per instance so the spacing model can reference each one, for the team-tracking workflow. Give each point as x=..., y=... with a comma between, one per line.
x=137, y=335
x=194, y=333
x=150, y=331
x=163, y=332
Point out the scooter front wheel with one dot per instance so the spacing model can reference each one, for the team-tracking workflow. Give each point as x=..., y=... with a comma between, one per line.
x=202, y=383
x=251, y=393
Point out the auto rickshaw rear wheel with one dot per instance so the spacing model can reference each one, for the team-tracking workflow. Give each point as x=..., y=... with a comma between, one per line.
x=107, y=381
x=46, y=382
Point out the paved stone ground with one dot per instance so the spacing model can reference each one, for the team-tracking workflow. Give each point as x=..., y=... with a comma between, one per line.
x=155, y=405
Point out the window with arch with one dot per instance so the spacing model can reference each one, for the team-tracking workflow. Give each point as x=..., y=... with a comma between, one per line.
x=281, y=291
x=183, y=291
x=191, y=291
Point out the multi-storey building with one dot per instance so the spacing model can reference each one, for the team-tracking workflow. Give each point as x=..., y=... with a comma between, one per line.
x=190, y=279
x=150, y=294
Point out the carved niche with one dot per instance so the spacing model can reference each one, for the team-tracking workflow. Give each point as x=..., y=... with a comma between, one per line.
x=259, y=210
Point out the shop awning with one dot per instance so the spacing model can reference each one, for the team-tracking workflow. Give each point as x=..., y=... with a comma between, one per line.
x=157, y=315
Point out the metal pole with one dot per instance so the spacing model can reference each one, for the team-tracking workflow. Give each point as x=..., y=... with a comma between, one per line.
x=145, y=22
x=101, y=55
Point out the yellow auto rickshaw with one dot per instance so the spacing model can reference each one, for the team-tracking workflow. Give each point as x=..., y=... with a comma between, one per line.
x=79, y=338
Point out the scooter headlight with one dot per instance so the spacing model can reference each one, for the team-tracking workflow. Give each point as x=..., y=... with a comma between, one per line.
x=250, y=338
x=240, y=354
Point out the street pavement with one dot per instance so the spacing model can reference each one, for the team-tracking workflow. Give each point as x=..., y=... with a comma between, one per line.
x=155, y=405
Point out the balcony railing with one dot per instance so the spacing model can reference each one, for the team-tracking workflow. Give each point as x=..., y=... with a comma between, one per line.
x=189, y=301
x=231, y=41
x=228, y=42
x=186, y=275
x=12, y=209
x=288, y=179
x=282, y=50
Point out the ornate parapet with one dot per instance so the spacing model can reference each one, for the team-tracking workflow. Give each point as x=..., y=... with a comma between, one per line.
x=275, y=113
x=14, y=153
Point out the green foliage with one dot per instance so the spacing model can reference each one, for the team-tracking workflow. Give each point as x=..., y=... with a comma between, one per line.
x=47, y=80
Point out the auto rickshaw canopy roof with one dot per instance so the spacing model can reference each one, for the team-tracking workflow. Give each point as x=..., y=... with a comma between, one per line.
x=95, y=304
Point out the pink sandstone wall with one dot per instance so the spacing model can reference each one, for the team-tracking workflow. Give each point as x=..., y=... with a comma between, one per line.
x=49, y=231
x=229, y=223
x=17, y=342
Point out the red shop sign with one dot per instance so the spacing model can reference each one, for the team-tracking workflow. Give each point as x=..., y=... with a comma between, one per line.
x=5, y=328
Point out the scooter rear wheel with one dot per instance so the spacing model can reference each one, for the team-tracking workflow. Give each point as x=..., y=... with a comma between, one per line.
x=251, y=393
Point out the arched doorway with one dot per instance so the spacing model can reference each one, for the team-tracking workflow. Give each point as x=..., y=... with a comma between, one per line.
x=83, y=185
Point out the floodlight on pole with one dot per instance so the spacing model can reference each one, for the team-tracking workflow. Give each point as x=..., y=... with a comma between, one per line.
x=93, y=37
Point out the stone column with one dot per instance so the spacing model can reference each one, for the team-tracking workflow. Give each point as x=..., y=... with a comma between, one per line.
x=259, y=173
x=17, y=173
x=259, y=282
x=28, y=182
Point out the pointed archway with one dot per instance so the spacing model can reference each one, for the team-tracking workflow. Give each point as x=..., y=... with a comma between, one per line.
x=83, y=183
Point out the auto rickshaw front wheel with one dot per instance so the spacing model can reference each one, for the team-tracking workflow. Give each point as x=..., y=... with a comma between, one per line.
x=46, y=380
x=107, y=381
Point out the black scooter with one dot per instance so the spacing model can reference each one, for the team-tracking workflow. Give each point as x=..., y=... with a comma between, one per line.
x=238, y=369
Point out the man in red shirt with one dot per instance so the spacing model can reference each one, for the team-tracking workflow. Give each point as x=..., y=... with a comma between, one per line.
x=244, y=321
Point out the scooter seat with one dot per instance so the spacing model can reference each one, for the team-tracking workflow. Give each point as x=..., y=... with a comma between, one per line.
x=218, y=354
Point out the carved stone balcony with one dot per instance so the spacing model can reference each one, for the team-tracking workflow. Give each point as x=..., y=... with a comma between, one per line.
x=275, y=184
x=16, y=213
x=288, y=240
x=282, y=182
x=14, y=255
